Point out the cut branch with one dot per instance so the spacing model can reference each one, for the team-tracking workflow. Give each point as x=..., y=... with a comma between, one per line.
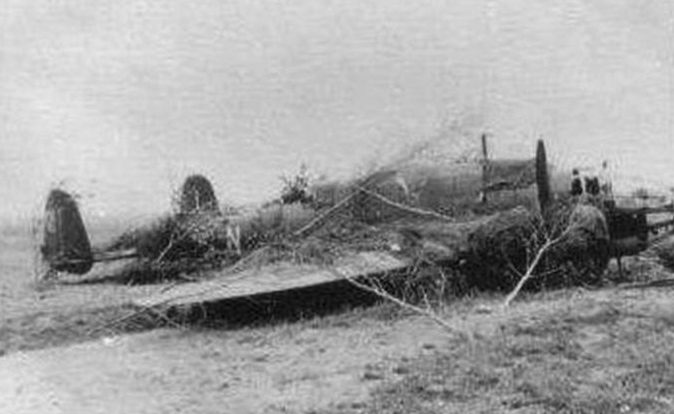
x=532, y=266
x=427, y=312
x=529, y=273
x=403, y=207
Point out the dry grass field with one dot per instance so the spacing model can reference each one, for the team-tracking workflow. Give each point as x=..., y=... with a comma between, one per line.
x=607, y=350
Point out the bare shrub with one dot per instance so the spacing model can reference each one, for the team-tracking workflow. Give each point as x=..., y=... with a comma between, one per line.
x=296, y=188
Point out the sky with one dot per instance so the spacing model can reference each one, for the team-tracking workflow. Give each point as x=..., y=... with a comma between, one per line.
x=119, y=101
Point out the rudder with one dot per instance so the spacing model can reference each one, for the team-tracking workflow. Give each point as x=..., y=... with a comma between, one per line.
x=66, y=246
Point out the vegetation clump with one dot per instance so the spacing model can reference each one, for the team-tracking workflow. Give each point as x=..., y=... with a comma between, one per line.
x=665, y=252
x=296, y=189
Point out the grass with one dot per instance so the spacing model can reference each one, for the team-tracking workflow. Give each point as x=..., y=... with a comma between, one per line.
x=590, y=356
x=46, y=329
x=562, y=351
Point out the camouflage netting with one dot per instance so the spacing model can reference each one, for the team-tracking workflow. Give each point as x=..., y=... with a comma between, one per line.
x=196, y=230
x=402, y=208
x=500, y=249
x=174, y=247
x=176, y=237
x=583, y=253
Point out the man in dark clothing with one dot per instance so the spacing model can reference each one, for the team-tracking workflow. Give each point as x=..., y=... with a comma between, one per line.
x=592, y=186
x=576, y=184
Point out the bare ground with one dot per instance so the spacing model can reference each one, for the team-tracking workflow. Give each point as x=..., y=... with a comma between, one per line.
x=570, y=351
x=292, y=367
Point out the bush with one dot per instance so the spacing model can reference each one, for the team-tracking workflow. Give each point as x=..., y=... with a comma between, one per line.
x=295, y=189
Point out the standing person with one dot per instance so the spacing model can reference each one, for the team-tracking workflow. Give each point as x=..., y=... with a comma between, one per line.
x=576, y=183
x=592, y=185
x=606, y=181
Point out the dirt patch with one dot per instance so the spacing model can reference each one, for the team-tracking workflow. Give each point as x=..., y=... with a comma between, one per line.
x=291, y=368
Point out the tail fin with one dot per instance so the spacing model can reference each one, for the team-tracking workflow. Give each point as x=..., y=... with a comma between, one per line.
x=197, y=195
x=66, y=245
